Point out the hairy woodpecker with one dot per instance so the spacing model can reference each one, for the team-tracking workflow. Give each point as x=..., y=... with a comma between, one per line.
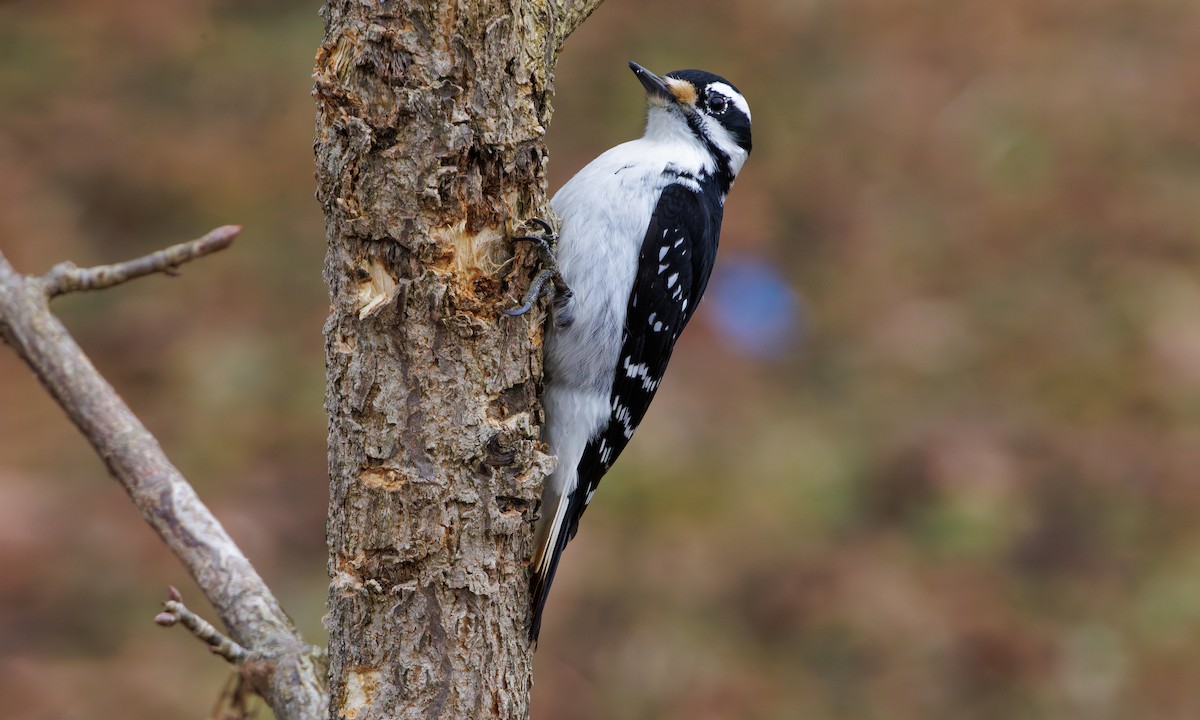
x=636, y=248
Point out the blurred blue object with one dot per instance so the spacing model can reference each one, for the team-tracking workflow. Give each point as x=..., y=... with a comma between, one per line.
x=752, y=306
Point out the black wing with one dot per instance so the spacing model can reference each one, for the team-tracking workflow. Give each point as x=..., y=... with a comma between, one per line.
x=676, y=259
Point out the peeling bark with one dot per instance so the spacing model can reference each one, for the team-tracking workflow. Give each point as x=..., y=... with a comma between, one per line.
x=429, y=152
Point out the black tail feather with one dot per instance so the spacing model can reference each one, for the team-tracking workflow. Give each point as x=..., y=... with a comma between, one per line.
x=539, y=584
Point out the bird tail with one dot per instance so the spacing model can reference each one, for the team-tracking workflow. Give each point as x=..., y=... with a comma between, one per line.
x=552, y=539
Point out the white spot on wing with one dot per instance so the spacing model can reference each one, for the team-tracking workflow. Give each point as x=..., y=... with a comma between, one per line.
x=605, y=456
x=622, y=415
x=640, y=371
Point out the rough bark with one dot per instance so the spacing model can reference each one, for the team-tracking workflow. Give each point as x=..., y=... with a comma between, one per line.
x=429, y=153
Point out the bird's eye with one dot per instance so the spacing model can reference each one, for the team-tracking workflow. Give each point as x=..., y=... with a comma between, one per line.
x=718, y=103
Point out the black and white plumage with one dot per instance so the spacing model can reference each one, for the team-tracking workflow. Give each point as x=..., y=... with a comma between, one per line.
x=637, y=245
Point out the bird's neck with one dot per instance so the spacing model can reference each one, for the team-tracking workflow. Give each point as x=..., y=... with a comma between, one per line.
x=668, y=127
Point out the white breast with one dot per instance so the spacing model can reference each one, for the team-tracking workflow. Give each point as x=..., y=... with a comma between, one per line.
x=605, y=210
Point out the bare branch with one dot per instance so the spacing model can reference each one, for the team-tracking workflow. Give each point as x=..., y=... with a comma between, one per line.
x=176, y=612
x=65, y=277
x=571, y=14
x=166, y=500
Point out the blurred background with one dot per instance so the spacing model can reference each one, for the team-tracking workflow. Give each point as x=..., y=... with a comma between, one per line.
x=929, y=450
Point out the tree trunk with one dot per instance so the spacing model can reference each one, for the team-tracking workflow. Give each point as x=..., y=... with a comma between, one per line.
x=429, y=153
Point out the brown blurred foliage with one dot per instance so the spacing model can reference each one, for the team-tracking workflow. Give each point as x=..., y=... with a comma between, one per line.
x=970, y=492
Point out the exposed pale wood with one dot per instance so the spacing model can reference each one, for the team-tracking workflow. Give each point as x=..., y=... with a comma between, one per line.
x=429, y=154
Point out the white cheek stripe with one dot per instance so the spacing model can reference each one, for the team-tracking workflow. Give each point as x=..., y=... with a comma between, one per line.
x=724, y=141
x=734, y=96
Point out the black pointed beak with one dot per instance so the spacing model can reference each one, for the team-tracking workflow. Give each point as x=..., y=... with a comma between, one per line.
x=655, y=85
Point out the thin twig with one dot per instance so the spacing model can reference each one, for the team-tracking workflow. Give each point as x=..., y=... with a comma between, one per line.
x=176, y=612
x=66, y=277
x=294, y=686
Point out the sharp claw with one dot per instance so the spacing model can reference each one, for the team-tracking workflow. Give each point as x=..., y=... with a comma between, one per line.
x=542, y=224
x=519, y=311
x=544, y=242
x=536, y=289
x=548, y=273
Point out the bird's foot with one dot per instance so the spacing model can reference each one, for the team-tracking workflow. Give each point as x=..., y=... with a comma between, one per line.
x=549, y=276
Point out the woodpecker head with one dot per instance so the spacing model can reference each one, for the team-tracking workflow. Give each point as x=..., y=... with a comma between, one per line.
x=703, y=106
